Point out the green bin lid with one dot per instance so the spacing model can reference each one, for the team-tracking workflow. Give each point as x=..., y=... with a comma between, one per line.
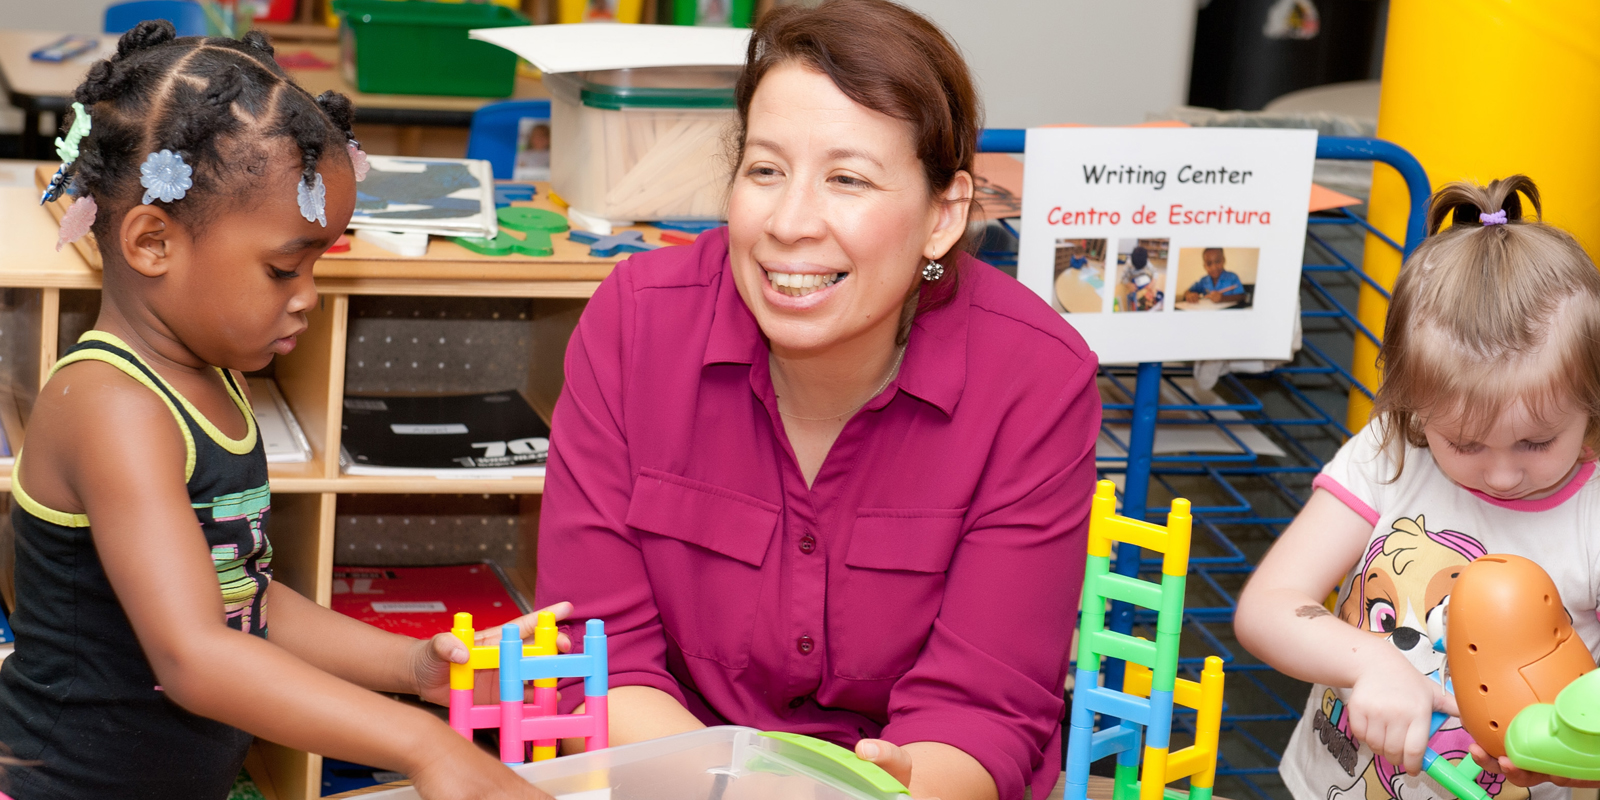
x=614, y=98
x=418, y=12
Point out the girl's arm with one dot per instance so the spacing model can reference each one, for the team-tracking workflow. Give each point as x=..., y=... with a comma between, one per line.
x=1282, y=621
x=132, y=488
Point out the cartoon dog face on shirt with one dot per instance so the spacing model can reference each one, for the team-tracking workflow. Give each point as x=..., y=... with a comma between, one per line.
x=1404, y=584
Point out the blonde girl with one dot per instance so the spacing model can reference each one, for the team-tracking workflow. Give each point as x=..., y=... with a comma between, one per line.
x=1482, y=439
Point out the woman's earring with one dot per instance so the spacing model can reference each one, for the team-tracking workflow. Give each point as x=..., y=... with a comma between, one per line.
x=933, y=271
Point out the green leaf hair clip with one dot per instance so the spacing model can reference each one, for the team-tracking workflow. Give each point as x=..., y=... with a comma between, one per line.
x=67, y=148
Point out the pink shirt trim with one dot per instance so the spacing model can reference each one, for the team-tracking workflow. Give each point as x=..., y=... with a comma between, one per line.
x=1345, y=496
x=1579, y=478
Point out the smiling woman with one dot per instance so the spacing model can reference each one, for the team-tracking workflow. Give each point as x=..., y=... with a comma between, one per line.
x=822, y=471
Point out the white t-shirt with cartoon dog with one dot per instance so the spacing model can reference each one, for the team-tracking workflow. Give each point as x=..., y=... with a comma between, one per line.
x=1424, y=527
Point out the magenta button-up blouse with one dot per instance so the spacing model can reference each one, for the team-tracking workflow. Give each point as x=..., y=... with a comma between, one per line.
x=925, y=588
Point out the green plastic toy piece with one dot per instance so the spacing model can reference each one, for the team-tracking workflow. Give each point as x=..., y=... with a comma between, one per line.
x=838, y=763
x=1560, y=739
x=529, y=220
x=536, y=244
x=498, y=246
x=1461, y=779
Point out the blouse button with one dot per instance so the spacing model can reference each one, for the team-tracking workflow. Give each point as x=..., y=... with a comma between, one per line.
x=808, y=544
x=804, y=645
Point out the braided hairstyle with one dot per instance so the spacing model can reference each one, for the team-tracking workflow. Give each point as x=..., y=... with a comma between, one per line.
x=219, y=103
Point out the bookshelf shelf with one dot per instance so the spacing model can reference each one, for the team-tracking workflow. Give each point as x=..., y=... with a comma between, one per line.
x=47, y=298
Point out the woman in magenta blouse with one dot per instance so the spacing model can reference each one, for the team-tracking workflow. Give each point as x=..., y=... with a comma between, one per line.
x=822, y=471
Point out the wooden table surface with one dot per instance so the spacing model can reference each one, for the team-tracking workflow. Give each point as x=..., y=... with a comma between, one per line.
x=55, y=82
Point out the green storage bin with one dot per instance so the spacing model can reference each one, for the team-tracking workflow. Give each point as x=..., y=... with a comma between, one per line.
x=411, y=47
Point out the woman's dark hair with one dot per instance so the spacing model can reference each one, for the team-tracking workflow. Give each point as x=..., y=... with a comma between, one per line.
x=217, y=102
x=894, y=61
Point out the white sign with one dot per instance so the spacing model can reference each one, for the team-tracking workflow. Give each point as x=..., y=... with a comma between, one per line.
x=1169, y=244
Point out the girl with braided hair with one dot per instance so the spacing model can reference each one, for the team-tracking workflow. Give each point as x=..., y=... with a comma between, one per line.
x=144, y=660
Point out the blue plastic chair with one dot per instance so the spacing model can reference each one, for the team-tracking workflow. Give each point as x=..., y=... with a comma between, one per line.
x=493, y=136
x=187, y=17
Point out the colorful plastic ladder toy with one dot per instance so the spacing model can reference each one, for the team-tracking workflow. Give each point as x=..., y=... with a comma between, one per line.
x=1151, y=684
x=1197, y=762
x=521, y=722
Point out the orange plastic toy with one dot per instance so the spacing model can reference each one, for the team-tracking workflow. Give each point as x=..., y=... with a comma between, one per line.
x=1510, y=644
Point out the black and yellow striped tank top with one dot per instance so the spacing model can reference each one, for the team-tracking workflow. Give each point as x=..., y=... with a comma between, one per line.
x=78, y=695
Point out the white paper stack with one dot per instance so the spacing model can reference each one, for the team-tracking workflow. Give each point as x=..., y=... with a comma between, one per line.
x=609, y=45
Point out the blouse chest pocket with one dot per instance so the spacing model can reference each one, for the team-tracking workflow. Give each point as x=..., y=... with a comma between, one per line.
x=881, y=612
x=703, y=549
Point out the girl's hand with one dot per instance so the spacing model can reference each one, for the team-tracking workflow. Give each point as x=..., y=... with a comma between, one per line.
x=463, y=772
x=1522, y=777
x=1391, y=707
x=892, y=758
x=431, y=658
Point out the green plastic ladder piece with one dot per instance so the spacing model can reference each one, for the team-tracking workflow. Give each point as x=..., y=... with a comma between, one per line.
x=529, y=220
x=837, y=762
x=1561, y=738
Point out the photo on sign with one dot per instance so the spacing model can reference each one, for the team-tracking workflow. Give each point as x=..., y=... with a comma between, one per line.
x=1216, y=278
x=1141, y=275
x=1080, y=276
x=533, y=150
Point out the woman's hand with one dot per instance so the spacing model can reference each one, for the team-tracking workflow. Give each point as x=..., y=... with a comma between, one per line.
x=1391, y=708
x=527, y=622
x=892, y=758
x=431, y=658
x=1522, y=777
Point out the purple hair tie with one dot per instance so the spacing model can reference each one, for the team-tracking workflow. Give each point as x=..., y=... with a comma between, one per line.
x=1497, y=218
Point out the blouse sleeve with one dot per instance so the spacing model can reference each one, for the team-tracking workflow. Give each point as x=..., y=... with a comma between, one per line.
x=990, y=679
x=588, y=485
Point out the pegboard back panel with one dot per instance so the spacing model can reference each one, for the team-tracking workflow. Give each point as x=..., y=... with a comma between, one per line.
x=21, y=313
x=404, y=530
x=438, y=345
x=79, y=309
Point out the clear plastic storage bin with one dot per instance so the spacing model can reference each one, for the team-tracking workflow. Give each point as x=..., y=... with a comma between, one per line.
x=642, y=144
x=722, y=763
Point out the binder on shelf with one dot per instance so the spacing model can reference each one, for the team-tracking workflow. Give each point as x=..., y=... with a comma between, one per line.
x=423, y=601
x=496, y=433
x=281, y=435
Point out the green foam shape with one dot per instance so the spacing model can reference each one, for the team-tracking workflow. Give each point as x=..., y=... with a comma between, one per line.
x=1560, y=739
x=537, y=243
x=498, y=246
x=529, y=220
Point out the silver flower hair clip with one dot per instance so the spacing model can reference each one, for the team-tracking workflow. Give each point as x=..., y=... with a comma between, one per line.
x=164, y=177
x=313, y=201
